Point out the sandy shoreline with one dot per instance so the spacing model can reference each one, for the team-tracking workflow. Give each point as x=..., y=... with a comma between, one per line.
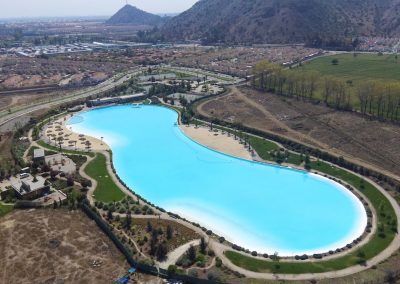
x=219, y=141
x=59, y=129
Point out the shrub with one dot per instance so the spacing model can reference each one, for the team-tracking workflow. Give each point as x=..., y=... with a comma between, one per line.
x=172, y=269
x=304, y=257
x=218, y=262
x=254, y=253
x=213, y=276
x=193, y=273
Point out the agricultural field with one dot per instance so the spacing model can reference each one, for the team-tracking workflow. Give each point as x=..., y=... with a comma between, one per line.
x=366, y=83
x=355, y=68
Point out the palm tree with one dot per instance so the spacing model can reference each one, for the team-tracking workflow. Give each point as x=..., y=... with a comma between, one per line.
x=88, y=144
x=60, y=141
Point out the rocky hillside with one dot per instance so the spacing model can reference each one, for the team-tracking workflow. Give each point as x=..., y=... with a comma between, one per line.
x=284, y=21
x=134, y=16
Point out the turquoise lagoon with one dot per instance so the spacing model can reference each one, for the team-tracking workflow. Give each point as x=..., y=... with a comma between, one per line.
x=258, y=206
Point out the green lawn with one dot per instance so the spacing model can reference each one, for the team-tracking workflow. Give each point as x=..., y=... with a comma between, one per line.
x=5, y=208
x=356, y=68
x=387, y=223
x=106, y=190
x=263, y=147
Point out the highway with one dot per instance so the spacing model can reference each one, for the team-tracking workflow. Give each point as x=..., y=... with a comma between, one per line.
x=117, y=80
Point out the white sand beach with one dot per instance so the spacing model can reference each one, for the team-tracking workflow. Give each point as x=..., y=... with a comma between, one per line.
x=218, y=141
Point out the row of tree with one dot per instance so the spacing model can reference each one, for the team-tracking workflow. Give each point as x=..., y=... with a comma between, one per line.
x=373, y=98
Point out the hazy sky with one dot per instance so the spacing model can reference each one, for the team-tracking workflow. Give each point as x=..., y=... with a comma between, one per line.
x=38, y=8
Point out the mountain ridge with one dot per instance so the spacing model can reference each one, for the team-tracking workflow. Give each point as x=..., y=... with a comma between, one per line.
x=283, y=21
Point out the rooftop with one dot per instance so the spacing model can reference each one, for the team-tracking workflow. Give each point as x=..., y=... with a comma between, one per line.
x=28, y=184
x=38, y=153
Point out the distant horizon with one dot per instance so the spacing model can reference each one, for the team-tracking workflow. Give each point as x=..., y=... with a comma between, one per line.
x=47, y=9
x=72, y=17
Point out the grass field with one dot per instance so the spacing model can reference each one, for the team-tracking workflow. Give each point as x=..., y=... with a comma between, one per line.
x=106, y=190
x=353, y=71
x=387, y=222
x=5, y=208
x=356, y=68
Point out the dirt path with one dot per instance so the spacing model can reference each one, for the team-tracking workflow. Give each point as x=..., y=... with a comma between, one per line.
x=174, y=255
x=303, y=138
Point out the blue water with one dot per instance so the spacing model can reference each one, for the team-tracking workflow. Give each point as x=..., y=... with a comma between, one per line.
x=261, y=207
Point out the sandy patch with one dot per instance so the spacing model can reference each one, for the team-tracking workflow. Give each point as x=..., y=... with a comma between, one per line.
x=218, y=141
x=69, y=139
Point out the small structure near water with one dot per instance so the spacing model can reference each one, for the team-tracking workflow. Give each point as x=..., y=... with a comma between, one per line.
x=116, y=100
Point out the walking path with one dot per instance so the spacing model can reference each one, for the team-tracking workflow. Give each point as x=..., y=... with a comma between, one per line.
x=174, y=255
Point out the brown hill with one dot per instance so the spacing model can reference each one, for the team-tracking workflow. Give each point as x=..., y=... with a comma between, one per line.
x=134, y=16
x=284, y=21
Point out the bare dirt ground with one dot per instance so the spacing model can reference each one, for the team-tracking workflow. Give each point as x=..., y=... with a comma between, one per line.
x=15, y=100
x=5, y=148
x=58, y=246
x=347, y=134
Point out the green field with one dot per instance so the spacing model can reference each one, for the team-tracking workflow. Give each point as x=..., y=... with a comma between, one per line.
x=356, y=68
x=106, y=190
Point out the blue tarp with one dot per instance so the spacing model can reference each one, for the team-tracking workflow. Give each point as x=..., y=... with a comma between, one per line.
x=122, y=280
